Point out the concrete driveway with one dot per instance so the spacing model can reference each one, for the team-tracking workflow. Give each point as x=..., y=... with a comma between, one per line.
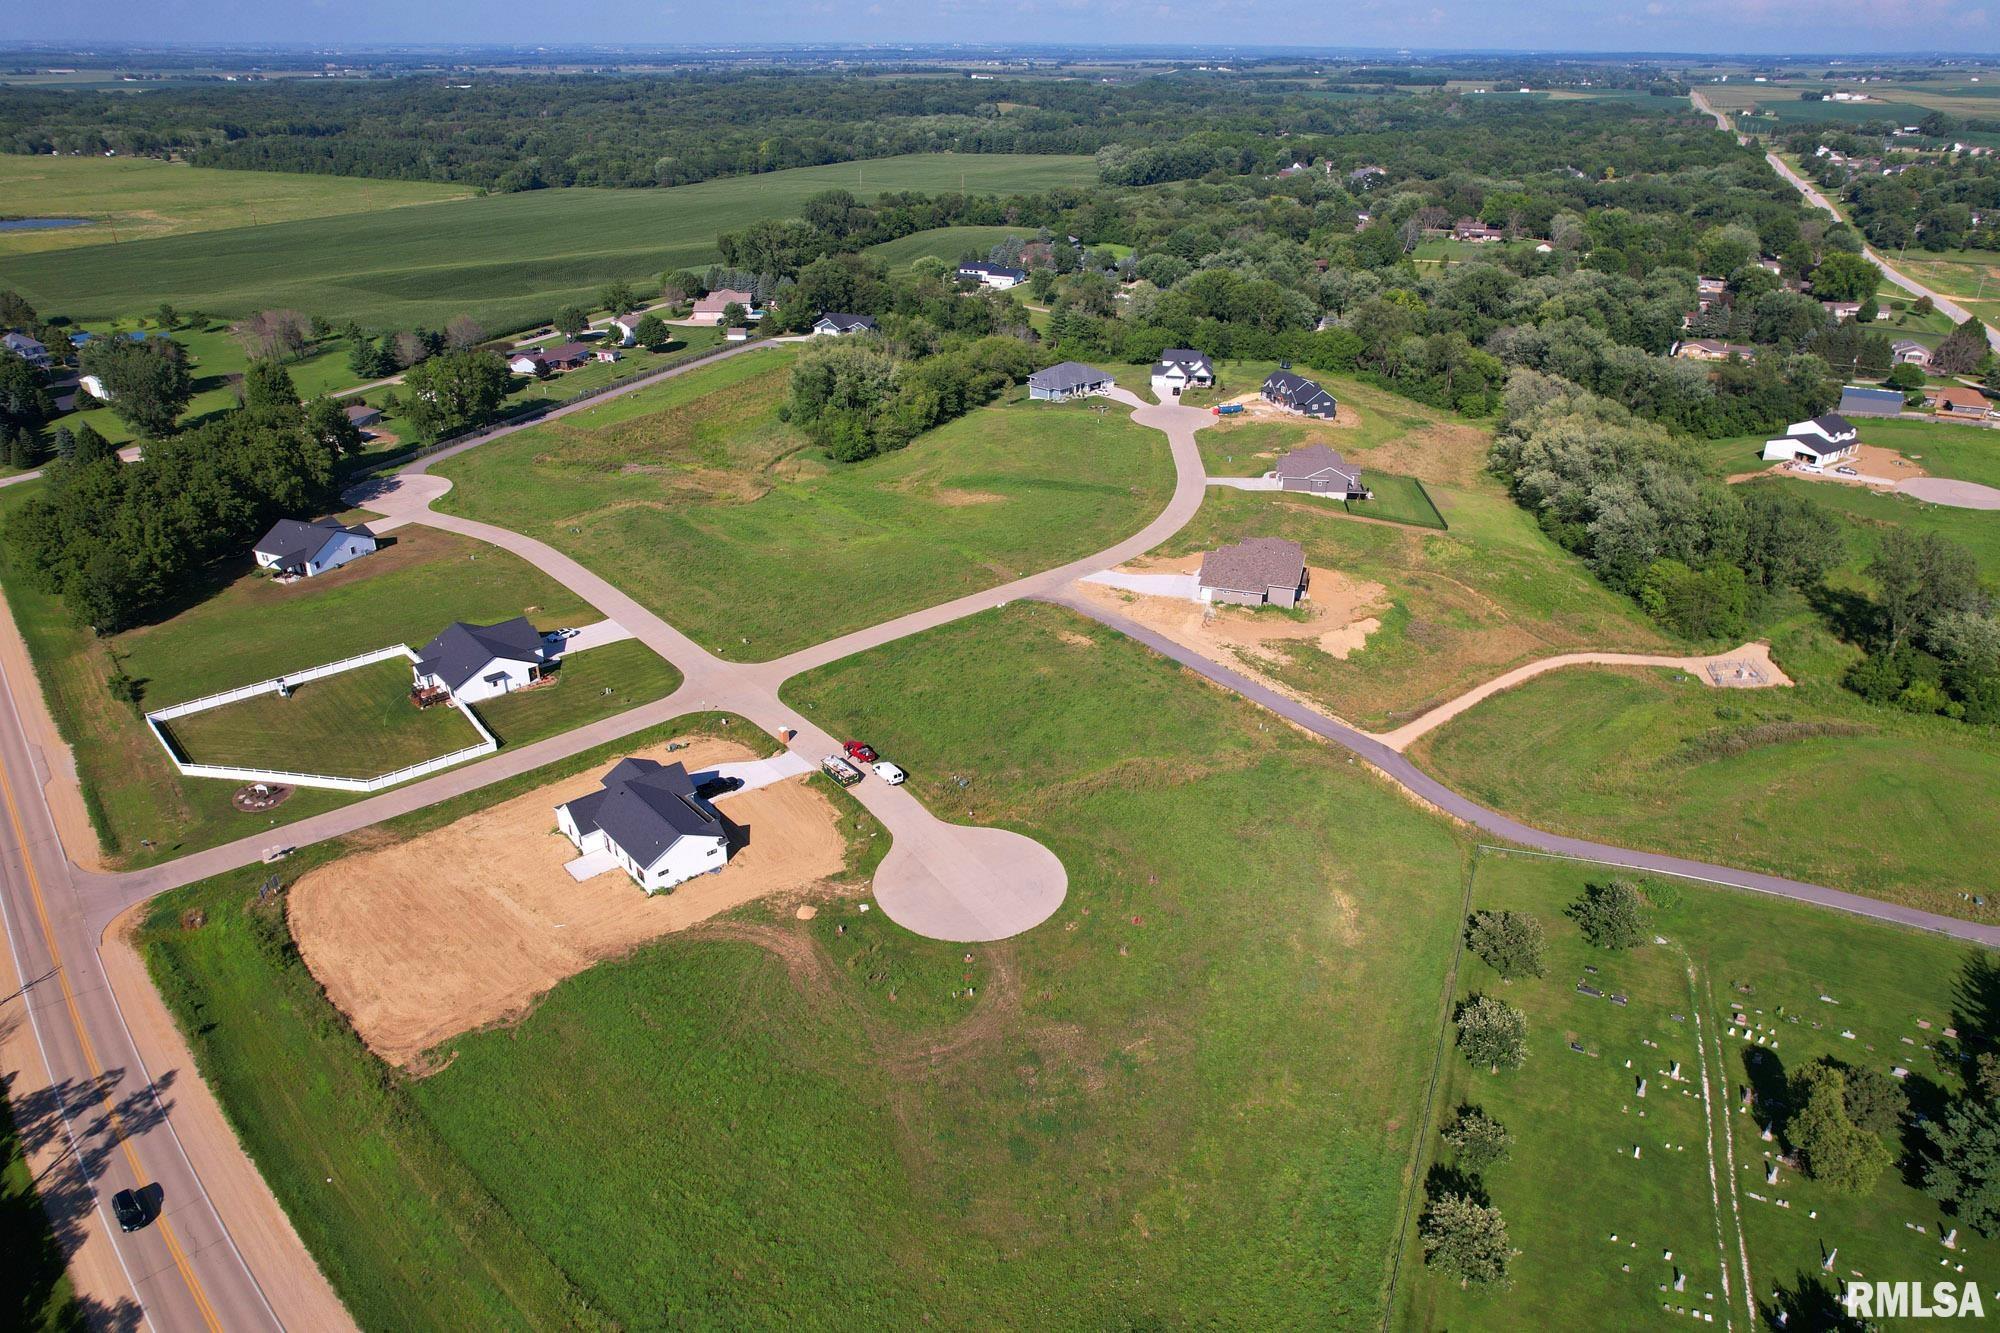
x=1248, y=483
x=1945, y=491
x=1187, y=587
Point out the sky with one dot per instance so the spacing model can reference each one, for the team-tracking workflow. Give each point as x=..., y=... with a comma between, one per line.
x=1723, y=26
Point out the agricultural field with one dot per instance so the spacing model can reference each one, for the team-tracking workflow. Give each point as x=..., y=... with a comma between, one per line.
x=1969, y=277
x=694, y=497
x=946, y=243
x=130, y=199
x=357, y=724
x=1583, y=1210
x=242, y=627
x=507, y=260
x=1809, y=782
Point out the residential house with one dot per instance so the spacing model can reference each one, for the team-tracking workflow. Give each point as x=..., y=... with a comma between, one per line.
x=1707, y=291
x=997, y=276
x=1363, y=177
x=1825, y=439
x=361, y=416
x=567, y=356
x=831, y=325
x=1909, y=352
x=1712, y=349
x=605, y=353
x=94, y=386
x=1181, y=368
x=302, y=550
x=1839, y=310
x=1857, y=401
x=28, y=349
x=1257, y=571
x=1066, y=380
x=708, y=310
x=736, y=333
x=645, y=819
x=624, y=331
x=1296, y=393
x=1959, y=403
x=1477, y=232
x=474, y=662
x=1318, y=470
x=527, y=363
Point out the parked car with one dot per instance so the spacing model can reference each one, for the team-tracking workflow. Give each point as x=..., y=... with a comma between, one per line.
x=1847, y=472
x=890, y=774
x=718, y=786
x=130, y=1212
x=861, y=752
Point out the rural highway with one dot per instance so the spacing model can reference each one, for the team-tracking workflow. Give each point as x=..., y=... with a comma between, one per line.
x=1957, y=313
x=941, y=879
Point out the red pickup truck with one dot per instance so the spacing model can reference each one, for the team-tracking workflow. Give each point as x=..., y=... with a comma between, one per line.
x=860, y=752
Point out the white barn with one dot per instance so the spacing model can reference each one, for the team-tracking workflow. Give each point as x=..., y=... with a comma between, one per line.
x=646, y=820
x=306, y=549
x=475, y=662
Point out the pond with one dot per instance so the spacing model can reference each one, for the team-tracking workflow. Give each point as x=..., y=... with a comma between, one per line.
x=41, y=224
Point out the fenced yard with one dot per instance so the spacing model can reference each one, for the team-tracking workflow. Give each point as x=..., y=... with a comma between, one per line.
x=356, y=724
x=1397, y=499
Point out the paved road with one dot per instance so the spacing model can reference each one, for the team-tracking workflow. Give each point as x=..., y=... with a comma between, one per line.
x=1420, y=784
x=1956, y=312
x=1946, y=491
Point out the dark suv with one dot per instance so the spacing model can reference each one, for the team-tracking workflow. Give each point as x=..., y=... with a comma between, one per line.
x=130, y=1212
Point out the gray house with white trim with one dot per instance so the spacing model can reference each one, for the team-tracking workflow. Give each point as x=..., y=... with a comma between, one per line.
x=1318, y=470
x=303, y=550
x=1296, y=393
x=1257, y=571
x=1067, y=380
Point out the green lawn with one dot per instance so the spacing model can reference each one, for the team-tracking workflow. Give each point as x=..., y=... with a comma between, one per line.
x=507, y=260
x=529, y=393
x=590, y=685
x=1462, y=606
x=695, y=498
x=1571, y=1182
x=241, y=627
x=946, y=243
x=357, y=724
x=130, y=199
x=1202, y=1076
x=1396, y=499
x=1808, y=782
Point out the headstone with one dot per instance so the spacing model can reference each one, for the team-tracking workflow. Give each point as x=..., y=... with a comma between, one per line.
x=1642, y=1087
x=1770, y=1173
x=1680, y=1280
x=1635, y=1150
x=1768, y=1135
x=1827, y=1267
x=1674, y=1071
x=1951, y=1239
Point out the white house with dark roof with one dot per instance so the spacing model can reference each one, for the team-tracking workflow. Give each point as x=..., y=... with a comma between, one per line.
x=997, y=276
x=475, y=662
x=1257, y=571
x=1317, y=470
x=645, y=819
x=832, y=325
x=1296, y=393
x=1909, y=352
x=1825, y=439
x=303, y=550
x=1181, y=368
x=1066, y=380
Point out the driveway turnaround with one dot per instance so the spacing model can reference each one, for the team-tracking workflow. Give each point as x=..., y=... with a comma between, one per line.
x=1945, y=491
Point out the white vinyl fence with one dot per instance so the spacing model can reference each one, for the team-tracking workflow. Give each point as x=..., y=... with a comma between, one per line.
x=487, y=744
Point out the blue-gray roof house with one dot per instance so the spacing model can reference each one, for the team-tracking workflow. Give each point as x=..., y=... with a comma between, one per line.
x=1856, y=401
x=644, y=818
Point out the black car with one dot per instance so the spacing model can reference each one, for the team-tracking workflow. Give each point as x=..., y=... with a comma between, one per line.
x=715, y=787
x=130, y=1212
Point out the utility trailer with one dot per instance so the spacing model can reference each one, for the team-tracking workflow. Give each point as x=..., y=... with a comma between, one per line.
x=837, y=768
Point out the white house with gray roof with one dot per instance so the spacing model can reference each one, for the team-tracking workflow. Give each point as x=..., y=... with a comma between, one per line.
x=645, y=819
x=475, y=662
x=1181, y=368
x=303, y=550
x=1066, y=380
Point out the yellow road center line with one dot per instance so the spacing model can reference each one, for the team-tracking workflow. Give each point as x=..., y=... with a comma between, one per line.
x=90, y=1053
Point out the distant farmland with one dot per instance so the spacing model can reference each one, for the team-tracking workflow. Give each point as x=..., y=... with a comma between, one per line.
x=507, y=260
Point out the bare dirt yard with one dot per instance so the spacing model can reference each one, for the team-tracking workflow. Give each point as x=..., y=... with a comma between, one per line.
x=1873, y=465
x=1339, y=615
x=467, y=925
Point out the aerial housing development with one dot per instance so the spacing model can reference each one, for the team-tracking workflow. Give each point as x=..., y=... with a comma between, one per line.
x=824, y=667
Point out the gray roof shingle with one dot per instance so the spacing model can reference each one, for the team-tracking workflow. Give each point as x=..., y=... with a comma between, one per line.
x=461, y=651
x=645, y=807
x=1254, y=564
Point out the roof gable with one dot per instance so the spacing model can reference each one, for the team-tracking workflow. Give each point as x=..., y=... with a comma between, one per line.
x=645, y=807
x=462, y=651
x=1254, y=564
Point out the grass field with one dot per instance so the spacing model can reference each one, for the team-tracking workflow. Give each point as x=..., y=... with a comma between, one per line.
x=1809, y=782
x=134, y=198
x=1571, y=1182
x=240, y=627
x=506, y=260
x=946, y=243
x=598, y=683
x=1396, y=499
x=1187, y=1100
x=696, y=499
x=357, y=724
